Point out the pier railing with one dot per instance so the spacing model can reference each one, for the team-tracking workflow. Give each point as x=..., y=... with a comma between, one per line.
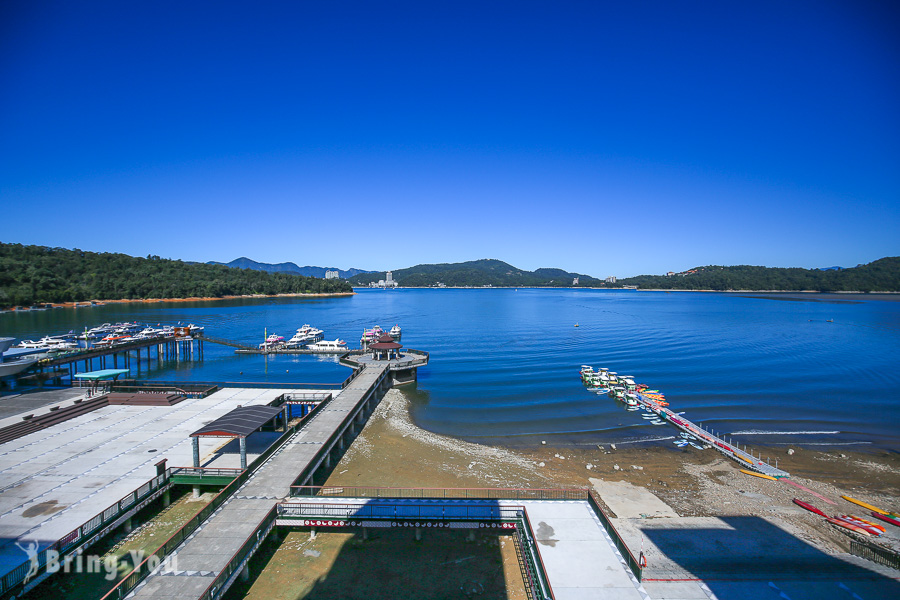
x=473, y=493
x=876, y=554
x=237, y=561
x=481, y=494
x=91, y=528
x=190, y=389
x=633, y=564
x=143, y=569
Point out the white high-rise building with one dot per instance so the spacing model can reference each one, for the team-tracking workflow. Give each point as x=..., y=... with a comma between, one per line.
x=332, y=274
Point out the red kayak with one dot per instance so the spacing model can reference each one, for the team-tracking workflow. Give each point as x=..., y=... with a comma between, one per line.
x=809, y=507
x=886, y=518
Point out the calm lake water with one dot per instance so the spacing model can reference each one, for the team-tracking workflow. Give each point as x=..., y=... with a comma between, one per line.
x=504, y=363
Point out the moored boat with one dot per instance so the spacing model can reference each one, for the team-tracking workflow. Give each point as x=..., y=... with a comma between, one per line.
x=329, y=346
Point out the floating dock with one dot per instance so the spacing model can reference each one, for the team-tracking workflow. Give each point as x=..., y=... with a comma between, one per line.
x=743, y=458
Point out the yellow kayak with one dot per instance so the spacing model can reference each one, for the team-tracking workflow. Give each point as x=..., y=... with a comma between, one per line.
x=864, y=505
x=758, y=475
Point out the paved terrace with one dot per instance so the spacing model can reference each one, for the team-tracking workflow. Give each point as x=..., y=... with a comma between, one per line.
x=55, y=479
x=209, y=549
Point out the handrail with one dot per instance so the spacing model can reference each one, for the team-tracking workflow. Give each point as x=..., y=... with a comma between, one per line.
x=536, y=571
x=260, y=533
x=484, y=493
x=338, y=431
x=104, y=517
x=633, y=564
x=137, y=574
x=435, y=512
x=539, y=563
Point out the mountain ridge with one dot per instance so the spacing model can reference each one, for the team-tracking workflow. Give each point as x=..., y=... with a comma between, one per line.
x=286, y=267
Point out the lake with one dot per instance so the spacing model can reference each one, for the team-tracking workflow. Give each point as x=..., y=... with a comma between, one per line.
x=771, y=369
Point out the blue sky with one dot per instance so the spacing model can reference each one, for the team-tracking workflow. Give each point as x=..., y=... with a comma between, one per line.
x=600, y=137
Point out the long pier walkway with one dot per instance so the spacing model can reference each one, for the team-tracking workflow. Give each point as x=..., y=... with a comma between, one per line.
x=743, y=458
x=200, y=559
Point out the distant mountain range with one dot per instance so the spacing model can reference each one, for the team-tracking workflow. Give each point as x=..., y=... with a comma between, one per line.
x=477, y=273
x=286, y=267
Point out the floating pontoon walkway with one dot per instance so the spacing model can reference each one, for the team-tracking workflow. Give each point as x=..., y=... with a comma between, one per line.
x=745, y=459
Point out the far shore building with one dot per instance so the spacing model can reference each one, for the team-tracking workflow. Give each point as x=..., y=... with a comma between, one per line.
x=332, y=274
x=387, y=282
x=611, y=279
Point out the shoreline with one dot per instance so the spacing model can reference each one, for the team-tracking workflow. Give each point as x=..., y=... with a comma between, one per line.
x=92, y=303
x=619, y=289
x=391, y=451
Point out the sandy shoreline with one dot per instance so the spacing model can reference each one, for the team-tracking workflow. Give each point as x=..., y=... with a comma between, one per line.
x=392, y=451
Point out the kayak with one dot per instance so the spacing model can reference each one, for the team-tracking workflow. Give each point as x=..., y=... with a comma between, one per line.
x=758, y=475
x=870, y=530
x=886, y=519
x=806, y=489
x=865, y=522
x=809, y=507
x=847, y=525
x=864, y=505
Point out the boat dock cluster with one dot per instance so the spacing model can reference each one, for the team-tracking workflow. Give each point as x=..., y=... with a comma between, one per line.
x=109, y=335
x=653, y=403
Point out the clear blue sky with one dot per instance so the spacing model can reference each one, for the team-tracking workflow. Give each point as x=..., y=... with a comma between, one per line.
x=600, y=137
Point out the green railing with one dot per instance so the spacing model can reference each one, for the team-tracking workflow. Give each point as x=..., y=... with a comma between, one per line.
x=88, y=529
x=533, y=565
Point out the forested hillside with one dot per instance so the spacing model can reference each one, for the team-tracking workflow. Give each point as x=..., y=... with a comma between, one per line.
x=37, y=274
x=879, y=276
x=476, y=273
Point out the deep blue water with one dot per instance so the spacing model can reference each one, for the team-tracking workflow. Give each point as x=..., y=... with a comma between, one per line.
x=504, y=363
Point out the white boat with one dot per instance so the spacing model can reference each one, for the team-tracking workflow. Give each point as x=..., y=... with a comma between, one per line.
x=273, y=341
x=30, y=344
x=396, y=331
x=11, y=366
x=17, y=365
x=631, y=399
x=329, y=346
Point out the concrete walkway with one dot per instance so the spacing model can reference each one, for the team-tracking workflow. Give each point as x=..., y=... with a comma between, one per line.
x=200, y=559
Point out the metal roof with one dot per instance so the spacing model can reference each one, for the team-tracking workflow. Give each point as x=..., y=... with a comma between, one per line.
x=240, y=422
x=101, y=375
x=385, y=346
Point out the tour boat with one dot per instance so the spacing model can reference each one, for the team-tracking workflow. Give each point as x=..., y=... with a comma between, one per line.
x=396, y=331
x=305, y=335
x=272, y=340
x=329, y=346
x=631, y=399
